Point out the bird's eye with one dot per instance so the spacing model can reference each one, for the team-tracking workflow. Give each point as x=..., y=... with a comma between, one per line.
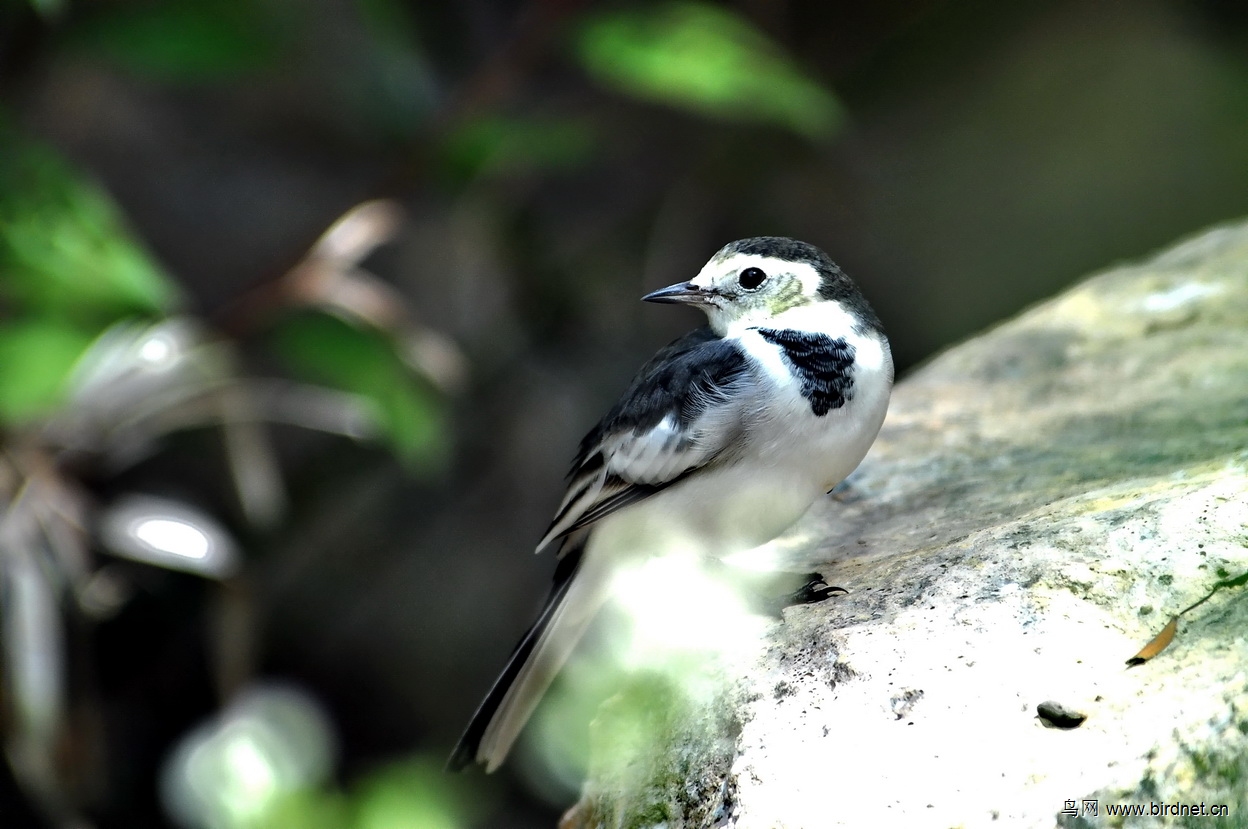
x=751, y=278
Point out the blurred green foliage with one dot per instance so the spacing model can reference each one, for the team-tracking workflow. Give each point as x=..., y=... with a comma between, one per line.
x=416, y=793
x=64, y=251
x=36, y=356
x=331, y=350
x=184, y=40
x=68, y=269
x=502, y=144
x=707, y=59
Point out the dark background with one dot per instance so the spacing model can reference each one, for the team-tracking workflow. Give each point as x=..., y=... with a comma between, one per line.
x=979, y=157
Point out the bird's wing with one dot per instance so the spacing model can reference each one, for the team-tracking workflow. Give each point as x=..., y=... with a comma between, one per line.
x=684, y=408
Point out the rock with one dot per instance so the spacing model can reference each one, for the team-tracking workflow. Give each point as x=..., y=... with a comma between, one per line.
x=1041, y=501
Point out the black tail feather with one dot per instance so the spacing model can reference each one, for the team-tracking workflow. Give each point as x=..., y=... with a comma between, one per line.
x=465, y=753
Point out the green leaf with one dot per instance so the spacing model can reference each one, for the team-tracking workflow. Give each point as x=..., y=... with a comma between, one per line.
x=498, y=143
x=36, y=358
x=63, y=249
x=411, y=794
x=415, y=793
x=308, y=809
x=709, y=60
x=182, y=40
x=364, y=361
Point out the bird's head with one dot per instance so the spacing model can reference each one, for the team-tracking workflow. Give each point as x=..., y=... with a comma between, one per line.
x=753, y=281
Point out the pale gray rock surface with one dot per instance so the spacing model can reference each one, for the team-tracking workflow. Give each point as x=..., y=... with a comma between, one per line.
x=1042, y=499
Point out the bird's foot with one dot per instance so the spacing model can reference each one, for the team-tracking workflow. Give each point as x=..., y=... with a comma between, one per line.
x=814, y=589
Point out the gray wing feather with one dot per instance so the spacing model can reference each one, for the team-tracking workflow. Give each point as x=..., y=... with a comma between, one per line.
x=684, y=408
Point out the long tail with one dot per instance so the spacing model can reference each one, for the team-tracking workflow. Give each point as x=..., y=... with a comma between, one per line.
x=580, y=588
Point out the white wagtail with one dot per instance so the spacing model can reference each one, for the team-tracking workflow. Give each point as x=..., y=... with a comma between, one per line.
x=723, y=440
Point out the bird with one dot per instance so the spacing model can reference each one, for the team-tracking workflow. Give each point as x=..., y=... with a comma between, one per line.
x=721, y=442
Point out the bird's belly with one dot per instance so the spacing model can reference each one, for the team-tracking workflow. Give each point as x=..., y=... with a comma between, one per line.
x=716, y=513
x=739, y=505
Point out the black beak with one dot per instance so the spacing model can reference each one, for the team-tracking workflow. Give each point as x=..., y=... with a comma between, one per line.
x=686, y=293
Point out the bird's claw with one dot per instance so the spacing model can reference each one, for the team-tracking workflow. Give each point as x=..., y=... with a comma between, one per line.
x=814, y=590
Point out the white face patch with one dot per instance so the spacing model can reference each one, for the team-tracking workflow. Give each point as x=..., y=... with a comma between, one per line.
x=723, y=273
x=788, y=285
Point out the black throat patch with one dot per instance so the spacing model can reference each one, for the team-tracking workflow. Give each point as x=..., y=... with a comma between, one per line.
x=823, y=364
